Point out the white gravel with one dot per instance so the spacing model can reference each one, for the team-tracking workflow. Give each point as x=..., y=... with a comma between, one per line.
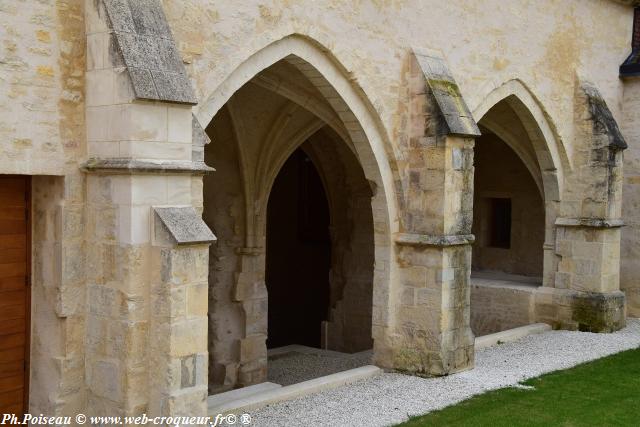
x=392, y=398
x=294, y=367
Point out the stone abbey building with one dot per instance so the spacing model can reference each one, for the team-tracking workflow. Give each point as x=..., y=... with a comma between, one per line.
x=185, y=184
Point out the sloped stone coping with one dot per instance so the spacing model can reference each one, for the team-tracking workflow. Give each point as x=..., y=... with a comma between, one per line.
x=145, y=44
x=445, y=90
x=511, y=335
x=185, y=225
x=409, y=239
x=253, y=401
x=143, y=166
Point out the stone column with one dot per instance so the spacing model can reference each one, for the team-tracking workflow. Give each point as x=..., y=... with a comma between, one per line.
x=434, y=306
x=177, y=350
x=250, y=289
x=432, y=315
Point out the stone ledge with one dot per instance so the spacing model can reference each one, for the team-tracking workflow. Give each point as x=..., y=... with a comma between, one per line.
x=143, y=166
x=590, y=222
x=408, y=239
x=220, y=400
x=510, y=335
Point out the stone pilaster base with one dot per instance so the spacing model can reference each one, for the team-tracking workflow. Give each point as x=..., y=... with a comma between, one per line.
x=433, y=334
x=595, y=312
x=583, y=311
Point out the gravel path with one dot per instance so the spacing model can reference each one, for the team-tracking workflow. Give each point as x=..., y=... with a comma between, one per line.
x=294, y=367
x=391, y=398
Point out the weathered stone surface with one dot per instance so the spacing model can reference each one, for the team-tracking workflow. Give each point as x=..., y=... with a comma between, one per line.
x=598, y=312
x=590, y=222
x=132, y=166
x=146, y=45
x=185, y=225
x=447, y=94
x=199, y=140
x=428, y=240
x=603, y=121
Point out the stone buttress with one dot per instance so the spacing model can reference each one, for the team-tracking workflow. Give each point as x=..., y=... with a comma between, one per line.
x=433, y=334
x=146, y=332
x=587, y=282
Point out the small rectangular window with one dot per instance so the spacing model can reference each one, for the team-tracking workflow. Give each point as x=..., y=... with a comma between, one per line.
x=500, y=223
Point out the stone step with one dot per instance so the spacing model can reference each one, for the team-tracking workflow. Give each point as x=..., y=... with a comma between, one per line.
x=267, y=397
x=219, y=400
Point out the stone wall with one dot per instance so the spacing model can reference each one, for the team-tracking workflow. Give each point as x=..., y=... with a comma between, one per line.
x=382, y=34
x=57, y=297
x=630, y=251
x=497, y=306
x=42, y=82
x=42, y=129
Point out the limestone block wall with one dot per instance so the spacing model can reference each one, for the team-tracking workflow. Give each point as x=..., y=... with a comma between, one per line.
x=630, y=252
x=434, y=310
x=177, y=348
x=497, y=307
x=224, y=211
x=42, y=61
x=57, y=296
x=118, y=322
x=433, y=332
x=42, y=85
x=384, y=33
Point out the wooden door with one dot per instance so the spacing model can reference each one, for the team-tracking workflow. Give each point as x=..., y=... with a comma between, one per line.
x=15, y=237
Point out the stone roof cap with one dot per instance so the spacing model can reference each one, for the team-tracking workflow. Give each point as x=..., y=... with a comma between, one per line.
x=445, y=90
x=148, y=50
x=185, y=225
x=604, y=121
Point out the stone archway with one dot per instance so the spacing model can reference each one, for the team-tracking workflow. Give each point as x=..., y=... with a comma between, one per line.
x=515, y=209
x=297, y=109
x=538, y=147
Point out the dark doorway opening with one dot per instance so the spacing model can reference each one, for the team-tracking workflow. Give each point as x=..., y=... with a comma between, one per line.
x=298, y=254
x=500, y=223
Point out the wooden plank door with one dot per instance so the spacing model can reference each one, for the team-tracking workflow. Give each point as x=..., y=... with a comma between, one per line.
x=15, y=237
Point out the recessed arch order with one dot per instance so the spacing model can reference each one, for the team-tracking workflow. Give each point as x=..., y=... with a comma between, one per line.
x=365, y=130
x=550, y=153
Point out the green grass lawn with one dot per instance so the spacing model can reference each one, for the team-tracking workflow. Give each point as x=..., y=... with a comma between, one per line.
x=605, y=392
